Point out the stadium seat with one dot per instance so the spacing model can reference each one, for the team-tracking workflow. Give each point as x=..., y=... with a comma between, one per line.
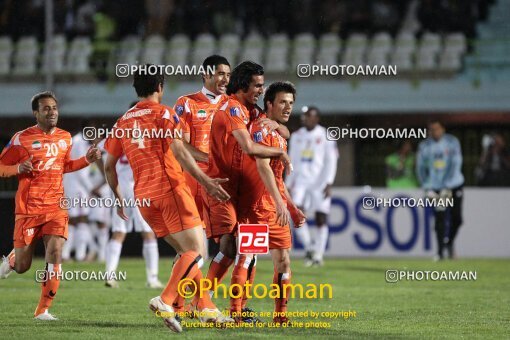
x=178, y=50
x=450, y=60
x=204, y=46
x=253, y=47
x=78, y=57
x=329, y=47
x=379, y=49
x=25, y=57
x=403, y=53
x=6, y=48
x=303, y=49
x=57, y=54
x=229, y=47
x=153, y=50
x=428, y=50
x=277, y=53
x=130, y=48
x=355, y=49
x=456, y=42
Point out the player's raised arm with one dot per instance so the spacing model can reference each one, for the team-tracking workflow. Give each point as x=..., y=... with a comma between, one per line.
x=212, y=186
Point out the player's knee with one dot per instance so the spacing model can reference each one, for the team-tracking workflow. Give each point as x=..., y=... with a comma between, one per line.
x=21, y=266
x=120, y=237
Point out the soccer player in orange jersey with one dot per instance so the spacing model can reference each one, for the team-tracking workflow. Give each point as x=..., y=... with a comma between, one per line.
x=264, y=198
x=229, y=143
x=38, y=210
x=196, y=112
x=156, y=163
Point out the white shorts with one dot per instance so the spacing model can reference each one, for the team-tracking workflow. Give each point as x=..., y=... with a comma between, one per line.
x=135, y=220
x=311, y=199
x=101, y=213
x=78, y=210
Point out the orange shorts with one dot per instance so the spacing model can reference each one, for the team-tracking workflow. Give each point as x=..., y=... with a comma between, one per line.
x=279, y=237
x=30, y=228
x=196, y=189
x=220, y=217
x=173, y=213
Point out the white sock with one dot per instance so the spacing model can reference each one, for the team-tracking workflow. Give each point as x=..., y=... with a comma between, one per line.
x=322, y=241
x=68, y=245
x=303, y=233
x=82, y=234
x=102, y=240
x=151, y=256
x=92, y=244
x=113, y=250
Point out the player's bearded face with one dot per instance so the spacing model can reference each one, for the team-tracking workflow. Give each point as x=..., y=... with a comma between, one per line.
x=255, y=90
x=218, y=83
x=282, y=107
x=47, y=113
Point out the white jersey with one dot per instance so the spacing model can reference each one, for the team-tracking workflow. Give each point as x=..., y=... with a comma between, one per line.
x=78, y=181
x=314, y=158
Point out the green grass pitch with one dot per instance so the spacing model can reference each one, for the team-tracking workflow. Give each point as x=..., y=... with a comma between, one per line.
x=404, y=310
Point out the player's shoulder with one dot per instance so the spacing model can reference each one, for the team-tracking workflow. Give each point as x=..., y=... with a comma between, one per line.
x=450, y=138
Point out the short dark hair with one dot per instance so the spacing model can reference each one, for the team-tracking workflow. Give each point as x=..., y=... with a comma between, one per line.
x=240, y=78
x=42, y=95
x=275, y=88
x=313, y=108
x=434, y=121
x=214, y=61
x=146, y=84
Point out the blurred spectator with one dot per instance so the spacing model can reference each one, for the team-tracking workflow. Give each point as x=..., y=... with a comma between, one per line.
x=400, y=167
x=158, y=13
x=494, y=168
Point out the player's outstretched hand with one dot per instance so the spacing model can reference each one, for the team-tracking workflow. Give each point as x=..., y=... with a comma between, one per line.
x=26, y=166
x=120, y=212
x=298, y=217
x=93, y=154
x=214, y=188
x=286, y=162
x=282, y=214
x=270, y=124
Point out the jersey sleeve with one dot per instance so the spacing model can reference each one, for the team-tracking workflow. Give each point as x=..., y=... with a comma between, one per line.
x=183, y=111
x=234, y=114
x=113, y=145
x=171, y=121
x=260, y=135
x=13, y=152
x=71, y=165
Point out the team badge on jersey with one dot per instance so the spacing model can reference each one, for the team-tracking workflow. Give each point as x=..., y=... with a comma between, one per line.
x=202, y=114
x=62, y=144
x=36, y=145
x=179, y=109
x=257, y=137
x=235, y=112
x=176, y=119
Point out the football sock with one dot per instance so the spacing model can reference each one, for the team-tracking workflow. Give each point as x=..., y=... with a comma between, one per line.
x=185, y=268
x=49, y=287
x=281, y=279
x=322, y=241
x=239, y=277
x=113, y=251
x=82, y=239
x=151, y=256
x=303, y=233
x=68, y=245
x=251, y=278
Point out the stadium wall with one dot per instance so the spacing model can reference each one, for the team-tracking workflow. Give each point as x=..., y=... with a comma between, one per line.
x=409, y=232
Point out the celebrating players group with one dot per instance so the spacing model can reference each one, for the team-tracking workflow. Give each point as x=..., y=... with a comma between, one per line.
x=227, y=169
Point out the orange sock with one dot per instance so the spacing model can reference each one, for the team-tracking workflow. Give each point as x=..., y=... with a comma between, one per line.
x=179, y=301
x=186, y=267
x=204, y=301
x=49, y=287
x=281, y=279
x=217, y=270
x=239, y=277
x=252, y=269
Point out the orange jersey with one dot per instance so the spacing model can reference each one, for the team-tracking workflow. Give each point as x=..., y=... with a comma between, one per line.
x=225, y=154
x=40, y=191
x=254, y=194
x=155, y=170
x=196, y=112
